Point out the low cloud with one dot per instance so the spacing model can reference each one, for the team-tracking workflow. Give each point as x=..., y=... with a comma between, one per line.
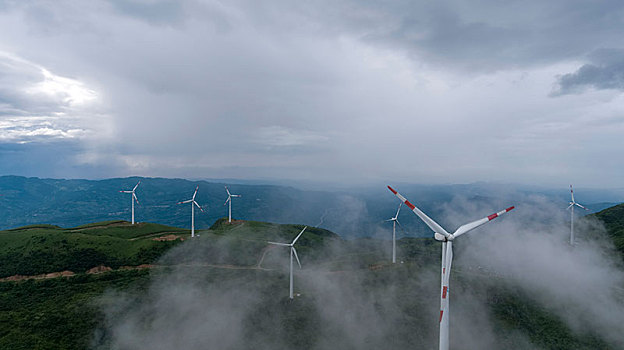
x=606, y=72
x=528, y=250
x=239, y=302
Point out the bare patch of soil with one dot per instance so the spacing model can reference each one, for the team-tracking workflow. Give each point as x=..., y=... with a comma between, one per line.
x=166, y=238
x=99, y=269
x=65, y=273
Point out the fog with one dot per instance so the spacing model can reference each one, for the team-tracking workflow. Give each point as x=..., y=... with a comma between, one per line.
x=232, y=293
x=582, y=284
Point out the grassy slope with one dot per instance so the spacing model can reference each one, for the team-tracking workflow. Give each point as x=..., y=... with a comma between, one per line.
x=41, y=249
x=613, y=219
x=60, y=313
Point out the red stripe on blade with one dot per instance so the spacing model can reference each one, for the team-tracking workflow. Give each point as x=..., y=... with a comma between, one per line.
x=412, y=206
x=392, y=189
x=493, y=216
x=441, y=312
x=444, y=292
x=510, y=208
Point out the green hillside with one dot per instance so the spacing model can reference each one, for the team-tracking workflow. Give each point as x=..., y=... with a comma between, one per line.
x=343, y=284
x=613, y=219
x=40, y=249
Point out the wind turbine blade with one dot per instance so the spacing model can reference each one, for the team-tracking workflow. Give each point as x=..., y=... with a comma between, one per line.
x=572, y=193
x=296, y=257
x=187, y=201
x=125, y=191
x=282, y=244
x=472, y=225
x=432, y=224
x=199, y=206
x=236, y=195
x=401, y=226
x=578, y=205
x=398, y=210
x=299, y=235
x=195, y=194
x=228, y=191
x=135, y=197
x=226, y=201
x=135, y=187
x=570, y=206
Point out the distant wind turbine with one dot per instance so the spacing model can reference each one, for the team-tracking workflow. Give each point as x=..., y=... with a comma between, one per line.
x=293, y=251
x=229, y=200
x=395, y=221
x=571, y=207
x=133, y=198
x=447, y=258
x=193, y=204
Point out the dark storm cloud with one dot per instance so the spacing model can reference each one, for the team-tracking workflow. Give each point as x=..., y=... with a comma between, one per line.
x=605, y=72
x=486, y=35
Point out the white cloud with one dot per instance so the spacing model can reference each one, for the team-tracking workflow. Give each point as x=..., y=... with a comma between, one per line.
x=38, y=105
x=68, y=91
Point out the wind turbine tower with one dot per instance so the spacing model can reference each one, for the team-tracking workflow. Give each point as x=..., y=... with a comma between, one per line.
x=193, y=204
x=447, y=258
x=395, y=221
x=229, y=200
x=133, y=198
x=293, y=251
x=571, y=207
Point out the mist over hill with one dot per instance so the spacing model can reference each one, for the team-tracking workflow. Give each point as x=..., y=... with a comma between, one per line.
x=150, y=286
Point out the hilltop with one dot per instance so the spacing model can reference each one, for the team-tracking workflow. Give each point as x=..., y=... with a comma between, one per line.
x=47, y=249
x=42, y=249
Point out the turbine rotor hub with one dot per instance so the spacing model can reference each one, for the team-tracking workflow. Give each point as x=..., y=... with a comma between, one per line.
x=442, y=238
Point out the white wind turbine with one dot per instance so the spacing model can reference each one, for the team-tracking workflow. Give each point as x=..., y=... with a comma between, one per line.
x=229, y=200
x=133, y=198
x=447, y=258
x=293, y=251
x=395, y=221
x=193, y=204
x=571, y=207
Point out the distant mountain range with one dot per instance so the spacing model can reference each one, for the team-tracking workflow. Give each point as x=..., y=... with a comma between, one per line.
x=351, y=212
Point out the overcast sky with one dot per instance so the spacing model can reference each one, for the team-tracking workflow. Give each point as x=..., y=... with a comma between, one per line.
x=349, y=91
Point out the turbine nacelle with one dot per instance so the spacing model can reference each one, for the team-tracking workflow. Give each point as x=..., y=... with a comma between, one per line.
x=442, y=238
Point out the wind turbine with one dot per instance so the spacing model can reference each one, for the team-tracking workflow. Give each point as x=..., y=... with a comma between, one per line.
x=571, y=207
x=447, y=258
x=193, y=204
x=293, y=251
x=395, y=221
x=229, y=200
x=133, y=198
